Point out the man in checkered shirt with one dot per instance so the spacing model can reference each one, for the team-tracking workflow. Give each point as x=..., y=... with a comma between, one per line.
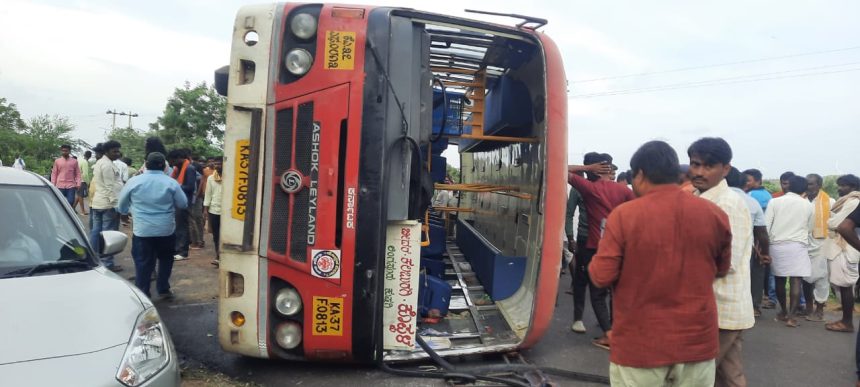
x=710, y=162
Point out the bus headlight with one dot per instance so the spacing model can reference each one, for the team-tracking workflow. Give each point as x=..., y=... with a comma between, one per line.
x=298, y=61
x=304, y=26
x=288, y=302
x=288, y=335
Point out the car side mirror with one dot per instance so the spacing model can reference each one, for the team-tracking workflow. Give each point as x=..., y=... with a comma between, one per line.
x=111, y=242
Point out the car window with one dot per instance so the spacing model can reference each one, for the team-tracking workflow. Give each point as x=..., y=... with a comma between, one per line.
x=35, y=228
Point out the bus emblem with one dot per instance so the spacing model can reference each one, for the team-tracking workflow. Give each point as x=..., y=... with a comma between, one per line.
x=326, y=263
x=291, y=181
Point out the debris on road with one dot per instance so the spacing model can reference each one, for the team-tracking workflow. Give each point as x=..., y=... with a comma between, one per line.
x=199, y=376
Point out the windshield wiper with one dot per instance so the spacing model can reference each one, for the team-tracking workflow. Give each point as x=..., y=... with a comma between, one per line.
x=47, y=266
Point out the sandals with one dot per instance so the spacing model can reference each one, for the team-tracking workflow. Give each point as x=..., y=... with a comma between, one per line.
x=815, y=317
x=839, y=326
x=601, y=342
x=789, y=321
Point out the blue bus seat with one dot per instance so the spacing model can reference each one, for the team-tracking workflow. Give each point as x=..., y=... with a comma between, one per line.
x=501, y=275
x=433, y=293
x=507, y=112
x=438, y=168
x=433, y=266
x=437, y=241
x=508, y=109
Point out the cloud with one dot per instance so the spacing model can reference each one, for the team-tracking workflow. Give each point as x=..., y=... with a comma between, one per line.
x=114, y=60
x=581, y=38
x=82, y=57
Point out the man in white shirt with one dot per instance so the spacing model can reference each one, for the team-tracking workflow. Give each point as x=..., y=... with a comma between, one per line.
x=123, y=169
x=789, y=220
x=842, y=256
x=107, y=185
x=444, y=198
x=760, y=257
x=212, y=205
x=710, y=162
x=19, y=163
x=817, y=286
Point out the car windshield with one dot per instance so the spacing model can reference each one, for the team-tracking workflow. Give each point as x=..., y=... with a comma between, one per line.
x=35, y=229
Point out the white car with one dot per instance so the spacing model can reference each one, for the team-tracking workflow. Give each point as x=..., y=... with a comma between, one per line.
x=65, y=320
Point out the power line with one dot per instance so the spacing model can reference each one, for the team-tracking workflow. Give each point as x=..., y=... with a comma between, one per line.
x=717, y=80
x=717, y=65
x=694, y=85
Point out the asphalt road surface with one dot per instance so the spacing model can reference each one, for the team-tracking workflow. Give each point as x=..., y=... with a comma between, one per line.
x=774, y=355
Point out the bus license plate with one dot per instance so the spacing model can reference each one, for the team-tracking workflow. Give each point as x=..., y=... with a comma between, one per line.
x=328, y=316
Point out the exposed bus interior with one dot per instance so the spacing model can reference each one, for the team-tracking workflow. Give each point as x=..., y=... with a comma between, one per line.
x=479, y=271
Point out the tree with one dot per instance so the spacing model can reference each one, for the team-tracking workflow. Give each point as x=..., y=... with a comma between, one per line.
x=10, y=118
x=40, y=141
x=11, y=125
x=453, y=172
x=132, y=142
x=829, y=186
x=771, y=186
x=193, y=118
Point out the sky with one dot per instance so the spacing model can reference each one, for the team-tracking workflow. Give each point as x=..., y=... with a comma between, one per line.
x=777, y=79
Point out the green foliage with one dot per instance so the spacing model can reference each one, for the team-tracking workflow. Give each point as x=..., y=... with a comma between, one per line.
x=11, y=125
x=10, y=118
x=37, y=141
x=829, y=186
x=771, y=186
x=42, y=139
x=132, y=142
x=193, y=118
x=453, y=172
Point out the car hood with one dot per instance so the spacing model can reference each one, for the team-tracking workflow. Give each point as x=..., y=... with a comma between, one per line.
x=65, y=314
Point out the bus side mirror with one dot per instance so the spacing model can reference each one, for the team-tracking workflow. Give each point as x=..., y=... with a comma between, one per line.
x=221, y=77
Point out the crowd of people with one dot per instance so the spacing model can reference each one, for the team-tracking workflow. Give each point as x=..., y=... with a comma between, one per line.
x=678, y=260
x=168, y=202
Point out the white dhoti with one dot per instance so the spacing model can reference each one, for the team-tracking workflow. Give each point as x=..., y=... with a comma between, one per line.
x=790, y=259
x=843, y=272
x=819, y=276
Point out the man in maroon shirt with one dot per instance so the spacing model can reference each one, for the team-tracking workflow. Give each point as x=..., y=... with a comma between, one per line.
x=662, y=272
x=601, y=194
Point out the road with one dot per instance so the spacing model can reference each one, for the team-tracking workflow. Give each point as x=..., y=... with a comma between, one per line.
x=774, y=355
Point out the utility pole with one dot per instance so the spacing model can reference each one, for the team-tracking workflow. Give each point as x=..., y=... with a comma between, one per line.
x=115, y=113
x=129, y=114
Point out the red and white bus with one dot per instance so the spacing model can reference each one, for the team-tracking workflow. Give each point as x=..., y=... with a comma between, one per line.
x=338, y=118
